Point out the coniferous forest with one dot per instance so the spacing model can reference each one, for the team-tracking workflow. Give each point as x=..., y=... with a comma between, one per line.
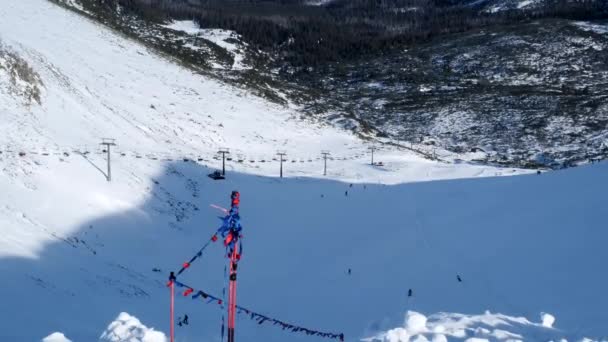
x=302, y=34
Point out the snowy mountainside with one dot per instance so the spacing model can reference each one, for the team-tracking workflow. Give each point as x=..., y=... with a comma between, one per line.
x=159, y=110
x=494, y=6
x=530, y=94
x=77, y=250
x=527, y=93
x=225, y=39
x=20, y=84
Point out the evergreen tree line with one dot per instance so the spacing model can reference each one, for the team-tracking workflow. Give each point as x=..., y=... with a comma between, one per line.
x=305, y=35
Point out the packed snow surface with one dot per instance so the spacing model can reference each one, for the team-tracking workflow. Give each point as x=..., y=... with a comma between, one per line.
x=472, y=328
x=56, y=337
x=75, y=249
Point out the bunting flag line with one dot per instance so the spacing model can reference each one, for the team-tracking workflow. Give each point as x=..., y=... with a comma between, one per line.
x=259, y=318
x=230, y=231
x=199, y=254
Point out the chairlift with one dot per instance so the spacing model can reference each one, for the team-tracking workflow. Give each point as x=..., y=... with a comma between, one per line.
x=216, y=175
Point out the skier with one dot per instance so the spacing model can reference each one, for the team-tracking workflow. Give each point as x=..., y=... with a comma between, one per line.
x=346, y=193
x=349, y=271
x=410, y=293
x=459, y=279
x=182, y=321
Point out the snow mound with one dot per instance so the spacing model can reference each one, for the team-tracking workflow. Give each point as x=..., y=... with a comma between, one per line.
x=547, y=320
x=56, y=337
x=473, y=328
x=127, y=328
x=415, y=322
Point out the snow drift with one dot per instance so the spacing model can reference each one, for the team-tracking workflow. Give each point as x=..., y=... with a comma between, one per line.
x=127, y=328
x=479, y=328
x=56, y=337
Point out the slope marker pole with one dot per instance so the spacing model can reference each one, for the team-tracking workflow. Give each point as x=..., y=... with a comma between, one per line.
x=172, y=320
x=232, y=293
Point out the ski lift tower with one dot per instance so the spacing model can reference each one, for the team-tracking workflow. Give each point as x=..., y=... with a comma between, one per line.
x=108, y=143
x=325, y=154
x=223, y=151
x=281, y=154
x=373, y=149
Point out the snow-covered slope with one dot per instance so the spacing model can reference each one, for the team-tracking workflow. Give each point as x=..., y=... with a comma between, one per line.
x=97, y=84
x=76, y=250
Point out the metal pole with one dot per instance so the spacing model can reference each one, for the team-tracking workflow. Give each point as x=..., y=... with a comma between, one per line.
x=325, y=154
x=281, y=154
x=108, y=143
x=109, y=165
x=223, y=164
x=172, y=320
x=232, y=294
x=372, y=156
x=223, y=152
